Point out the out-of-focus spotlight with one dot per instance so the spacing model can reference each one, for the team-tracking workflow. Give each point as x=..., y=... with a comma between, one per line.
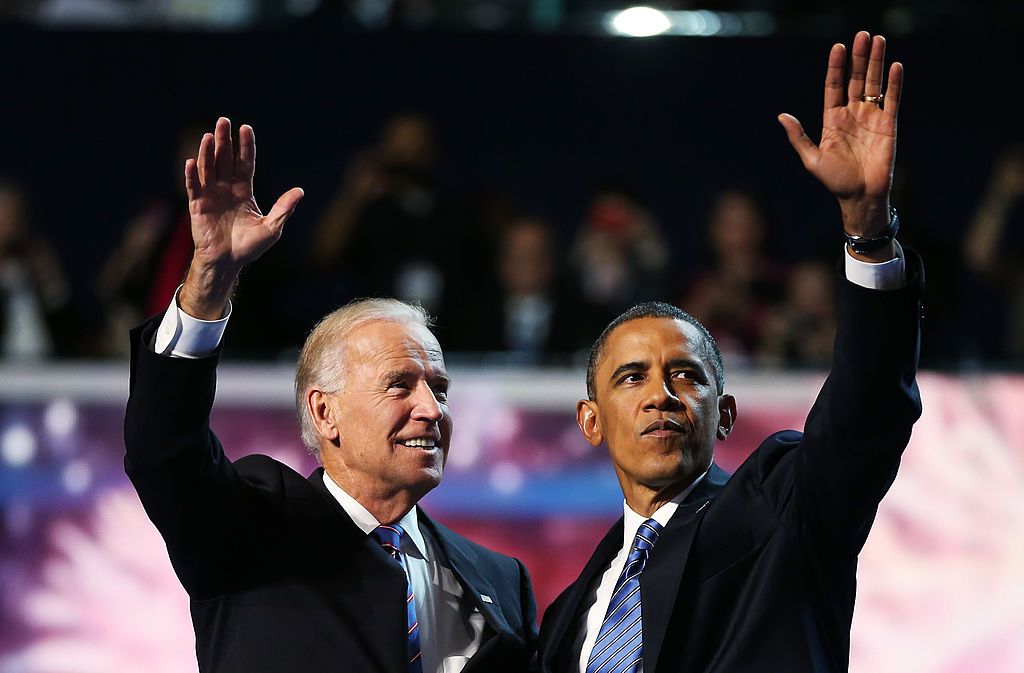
x=507, y=478
x=60, y=418
x=640, y=22
x=18, y=445
x=77, y=477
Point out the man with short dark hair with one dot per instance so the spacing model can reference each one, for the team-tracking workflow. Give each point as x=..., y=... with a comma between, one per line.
x=753, y=572
x=341, y=571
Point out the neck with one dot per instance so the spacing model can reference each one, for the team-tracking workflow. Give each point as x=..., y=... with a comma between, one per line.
x=386, y=505
x=645, y=500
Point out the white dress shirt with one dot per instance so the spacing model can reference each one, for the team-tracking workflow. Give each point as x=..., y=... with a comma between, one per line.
x=451, y=629
x=600, y=594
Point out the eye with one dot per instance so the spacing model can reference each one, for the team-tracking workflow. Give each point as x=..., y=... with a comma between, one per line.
x=398, y=386
x=635, y=377
x=687, y=375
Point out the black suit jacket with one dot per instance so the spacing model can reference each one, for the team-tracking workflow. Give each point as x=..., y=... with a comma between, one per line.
x=279, y=577
x=757, y=572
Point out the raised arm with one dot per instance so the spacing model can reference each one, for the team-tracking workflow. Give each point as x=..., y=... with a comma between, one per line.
x=857, y=152
x=860, y=424
x=228, y=228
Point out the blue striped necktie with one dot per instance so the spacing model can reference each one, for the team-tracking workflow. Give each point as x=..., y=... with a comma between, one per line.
x=390, y=538
x=619, y=647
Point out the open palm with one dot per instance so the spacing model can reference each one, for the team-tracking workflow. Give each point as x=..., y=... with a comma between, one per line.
x=857, y=152
x=228, y=228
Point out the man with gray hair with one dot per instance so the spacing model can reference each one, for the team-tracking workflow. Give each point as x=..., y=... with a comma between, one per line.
x=341, y=571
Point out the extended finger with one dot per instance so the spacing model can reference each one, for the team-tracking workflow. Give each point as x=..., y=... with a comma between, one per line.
x=283, y=209
x=858, y=68
x=803, y=145
x=834, y=76
x=192, y=185
x=894, y=91
x=876, y=65
x=245, y=168
x=205, y=159
x=224, y=153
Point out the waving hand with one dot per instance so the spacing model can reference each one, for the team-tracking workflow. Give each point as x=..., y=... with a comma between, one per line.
x=857, y=152
x=228, y=228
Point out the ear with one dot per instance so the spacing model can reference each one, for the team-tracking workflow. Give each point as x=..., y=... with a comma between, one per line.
x=320, y=410
x=588, y=418
x=726, y=415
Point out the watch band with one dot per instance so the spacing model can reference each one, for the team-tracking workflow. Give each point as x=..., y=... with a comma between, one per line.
x=866, y=244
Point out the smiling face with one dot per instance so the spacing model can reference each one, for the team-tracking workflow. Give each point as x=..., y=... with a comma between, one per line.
x=657, y=406
x=385, y=432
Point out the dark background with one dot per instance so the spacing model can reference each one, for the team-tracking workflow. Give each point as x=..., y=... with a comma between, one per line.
x=89, y=122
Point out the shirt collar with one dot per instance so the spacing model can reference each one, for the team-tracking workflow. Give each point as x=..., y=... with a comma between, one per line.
x=367, y=522
x=632, y=520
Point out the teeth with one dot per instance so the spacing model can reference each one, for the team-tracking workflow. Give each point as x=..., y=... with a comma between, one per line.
x=419, y=441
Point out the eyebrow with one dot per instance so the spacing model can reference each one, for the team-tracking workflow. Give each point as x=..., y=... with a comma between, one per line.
x=627, y=367
x=401, y=374
x=684, y=363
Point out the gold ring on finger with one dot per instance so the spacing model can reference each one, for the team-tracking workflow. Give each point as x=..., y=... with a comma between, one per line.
x=877, y=100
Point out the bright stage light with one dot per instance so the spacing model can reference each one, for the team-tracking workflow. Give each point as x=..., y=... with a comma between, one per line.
x=640, y=22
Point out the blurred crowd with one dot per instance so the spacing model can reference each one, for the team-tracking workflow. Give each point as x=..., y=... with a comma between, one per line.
x=507, y=286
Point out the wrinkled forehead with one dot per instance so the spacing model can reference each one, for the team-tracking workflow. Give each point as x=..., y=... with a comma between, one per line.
x=382, y=344
x=653, y=341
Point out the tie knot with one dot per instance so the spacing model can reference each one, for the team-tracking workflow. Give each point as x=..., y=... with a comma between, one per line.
x=647, y=535
x=389, y=537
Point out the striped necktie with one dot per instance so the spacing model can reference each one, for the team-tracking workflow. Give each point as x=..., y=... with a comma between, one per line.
x=390, y=538
x=619, y=647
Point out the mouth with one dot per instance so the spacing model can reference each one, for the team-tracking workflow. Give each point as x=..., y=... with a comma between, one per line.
x=422, y=443
x=664, y=427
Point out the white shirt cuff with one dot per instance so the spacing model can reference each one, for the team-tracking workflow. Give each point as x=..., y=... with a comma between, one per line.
x=182, y=336
x=889, y=275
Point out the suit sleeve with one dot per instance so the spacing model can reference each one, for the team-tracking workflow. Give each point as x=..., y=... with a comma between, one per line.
x=190, y=490
x=529, y=603
x=861, y=422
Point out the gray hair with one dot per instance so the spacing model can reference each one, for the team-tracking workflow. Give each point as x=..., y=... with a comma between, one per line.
x=321, y=365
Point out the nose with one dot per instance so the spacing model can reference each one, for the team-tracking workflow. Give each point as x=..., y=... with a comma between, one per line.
x=427, y=408
x=660, y=396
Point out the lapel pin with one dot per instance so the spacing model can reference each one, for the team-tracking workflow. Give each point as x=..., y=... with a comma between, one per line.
x=486, y=599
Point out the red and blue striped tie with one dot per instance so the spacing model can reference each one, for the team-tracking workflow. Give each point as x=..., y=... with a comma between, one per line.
x=390, y=538
x=619, y=647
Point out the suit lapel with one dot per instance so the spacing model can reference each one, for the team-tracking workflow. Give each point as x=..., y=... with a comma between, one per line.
x=659, y=582
x=457, y=557
x=564, y=619
x=370, y=574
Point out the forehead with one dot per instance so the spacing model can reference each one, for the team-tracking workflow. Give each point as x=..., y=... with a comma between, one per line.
x=653, y=341
x=383, y=344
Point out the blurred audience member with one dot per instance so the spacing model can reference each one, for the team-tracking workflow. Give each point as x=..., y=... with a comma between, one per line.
x=735, y=296
x=801, y=331
x=994, y=250
x=620, y=255
x=382, y=231
x=141, y=274
x=529, y=314
x=35, y=296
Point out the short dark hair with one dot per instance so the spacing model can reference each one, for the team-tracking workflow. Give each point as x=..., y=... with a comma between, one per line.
x=655, y=309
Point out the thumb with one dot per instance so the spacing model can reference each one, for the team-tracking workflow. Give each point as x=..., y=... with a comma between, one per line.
x=284, y=208
x=803, y=145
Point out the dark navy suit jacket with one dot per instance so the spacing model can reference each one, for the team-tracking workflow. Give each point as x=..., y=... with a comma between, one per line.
x=756, y=572
x=280, y=578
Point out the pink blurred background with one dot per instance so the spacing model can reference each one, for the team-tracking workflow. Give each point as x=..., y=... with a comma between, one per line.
x=87, y=586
